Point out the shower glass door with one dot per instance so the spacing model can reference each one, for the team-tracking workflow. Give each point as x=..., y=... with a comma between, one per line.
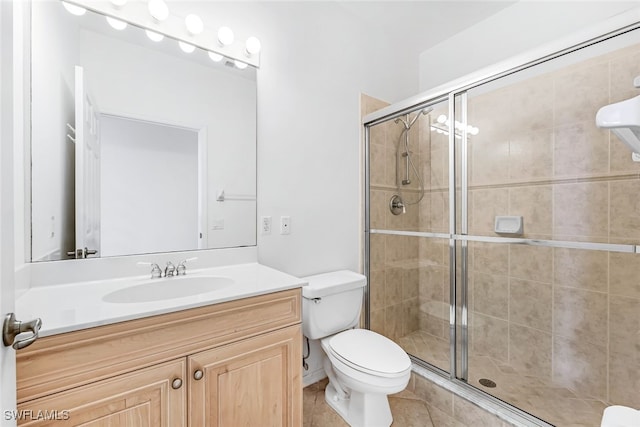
x=506, y=199
x=552, y=228
x=409, y=230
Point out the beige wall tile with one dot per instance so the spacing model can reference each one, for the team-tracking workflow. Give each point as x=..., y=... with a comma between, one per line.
x=432, y=251
x=377, y=207
x=530, y=351
x=581, y=209
x=377, y=249
x=620, y=160
x=433, y=394
x=625, y=209
x=410, y=283
x=530, y=304
x=531, y=155
x=580, y=92
x=390, y=160
x=439, y=212
x=623, y=274
x=377, y=322
x=393, y=286
x=624, y=332
x=491, y=112
x=484, y=206
x=580, y=149
x=377, y=137
x=531, y=263
x=583, y=269
x=369, y=104
x=532, y=104
x=491, y=295
x=489, y=159
x=534, y=205
x=377, y=164
x=580, y=366
x=624, y=379
x=439, y=170
x=432, y=283
x=623, y=69
x=490, y=258
x=580, y=315
x=432, y=325
x=489, y=337
x=376, y=289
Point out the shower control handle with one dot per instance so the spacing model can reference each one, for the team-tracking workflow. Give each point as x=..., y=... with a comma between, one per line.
x=396, y=205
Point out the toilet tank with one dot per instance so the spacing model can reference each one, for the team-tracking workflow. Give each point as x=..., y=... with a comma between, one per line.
x=331, y=302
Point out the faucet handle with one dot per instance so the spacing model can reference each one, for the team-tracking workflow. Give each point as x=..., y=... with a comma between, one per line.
x=156, y=272
x=181, y=270
x=170, y=269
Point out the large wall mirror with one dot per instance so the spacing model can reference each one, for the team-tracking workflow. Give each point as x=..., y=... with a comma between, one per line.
x=136, y=146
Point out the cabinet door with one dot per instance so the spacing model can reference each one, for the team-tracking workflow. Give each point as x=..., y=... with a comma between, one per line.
x=254, y=382
x=148, y=397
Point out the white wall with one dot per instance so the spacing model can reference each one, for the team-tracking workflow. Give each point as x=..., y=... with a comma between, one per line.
x=316, y=60
x=513, y=30
x=53, y=84
x=149, y=187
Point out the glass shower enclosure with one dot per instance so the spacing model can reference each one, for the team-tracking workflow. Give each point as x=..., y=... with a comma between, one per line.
x=502, y=233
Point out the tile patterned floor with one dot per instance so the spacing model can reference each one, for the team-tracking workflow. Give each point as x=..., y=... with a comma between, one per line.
x=407, y=409
x=557, y=405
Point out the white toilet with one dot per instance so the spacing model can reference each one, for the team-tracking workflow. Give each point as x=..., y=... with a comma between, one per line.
x=363, y=367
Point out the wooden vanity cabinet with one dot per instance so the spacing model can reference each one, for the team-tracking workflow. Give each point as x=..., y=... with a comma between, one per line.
x=230, y=364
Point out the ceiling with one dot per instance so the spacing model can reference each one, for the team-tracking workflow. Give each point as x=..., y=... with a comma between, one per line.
x=419, y=25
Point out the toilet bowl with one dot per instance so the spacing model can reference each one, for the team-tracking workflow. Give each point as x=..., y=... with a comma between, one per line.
x=363, y=366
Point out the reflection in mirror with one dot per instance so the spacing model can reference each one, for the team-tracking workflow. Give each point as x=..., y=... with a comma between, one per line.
x=132, y=140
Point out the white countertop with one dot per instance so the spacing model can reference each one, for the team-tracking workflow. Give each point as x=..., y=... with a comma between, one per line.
x=66, y=308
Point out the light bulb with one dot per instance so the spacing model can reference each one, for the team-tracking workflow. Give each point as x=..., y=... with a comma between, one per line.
x=186, y=47
x=253, y=46
x=73, y=9
x=156, y=37
x=118, y=3
x=116, y=23
x=225, y=36
x=194, y=24
x=158, y=9
x=441, y=118
x=241, y=65
x=474, y=130
x=215, y=57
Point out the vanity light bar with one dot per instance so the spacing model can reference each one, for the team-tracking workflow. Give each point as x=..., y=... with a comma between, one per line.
x=155, y=17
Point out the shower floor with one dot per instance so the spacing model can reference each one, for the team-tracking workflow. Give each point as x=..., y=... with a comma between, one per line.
x=556, y=405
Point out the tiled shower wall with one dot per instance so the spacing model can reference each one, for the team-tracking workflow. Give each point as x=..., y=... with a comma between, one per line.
x=567, y=315
x=394, y=274
x=564, y=315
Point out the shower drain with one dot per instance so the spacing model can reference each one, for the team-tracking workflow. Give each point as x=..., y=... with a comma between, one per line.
x=487, y=382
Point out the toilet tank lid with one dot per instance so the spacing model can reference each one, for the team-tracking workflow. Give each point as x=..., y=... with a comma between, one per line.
x=324, y=284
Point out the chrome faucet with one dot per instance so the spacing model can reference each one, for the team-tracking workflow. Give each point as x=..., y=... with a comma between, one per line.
x=169, y=270
x=181, y=270
x=156, y=272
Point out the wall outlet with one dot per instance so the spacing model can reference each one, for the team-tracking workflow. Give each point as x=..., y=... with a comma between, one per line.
x=285, y=224
x=265, y=225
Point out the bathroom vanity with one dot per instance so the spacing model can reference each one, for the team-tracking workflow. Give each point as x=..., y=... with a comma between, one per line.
x=225, y=361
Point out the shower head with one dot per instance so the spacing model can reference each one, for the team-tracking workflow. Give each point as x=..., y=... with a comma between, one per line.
x=623, y=118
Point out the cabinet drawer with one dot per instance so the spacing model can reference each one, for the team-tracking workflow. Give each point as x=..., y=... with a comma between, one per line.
x=144, y=398
x=60, y=362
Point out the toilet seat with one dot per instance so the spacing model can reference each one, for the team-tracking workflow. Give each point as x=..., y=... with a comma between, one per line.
x=369, y=352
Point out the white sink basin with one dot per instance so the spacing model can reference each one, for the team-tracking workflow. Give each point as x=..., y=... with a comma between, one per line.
x=168, y=288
